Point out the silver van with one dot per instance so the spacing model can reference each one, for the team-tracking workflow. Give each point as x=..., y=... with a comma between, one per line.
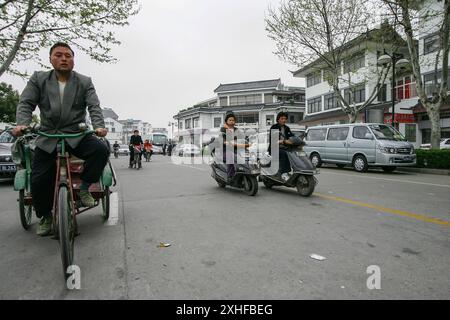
x=361, y=145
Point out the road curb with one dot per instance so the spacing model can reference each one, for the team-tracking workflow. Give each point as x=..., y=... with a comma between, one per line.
x=425, y=170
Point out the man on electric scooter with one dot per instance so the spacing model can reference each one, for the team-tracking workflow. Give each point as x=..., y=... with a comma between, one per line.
x=62, y=96
x=283, y=140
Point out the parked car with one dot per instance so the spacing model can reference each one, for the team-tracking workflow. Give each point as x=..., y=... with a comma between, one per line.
x=445, y=144
x=186, y=150
x=124, y=149
x=7, y=166
x=360, y=145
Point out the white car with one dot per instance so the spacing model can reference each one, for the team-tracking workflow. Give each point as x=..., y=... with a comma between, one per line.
x=124, y=149
x=186, y=150
x=445, y=144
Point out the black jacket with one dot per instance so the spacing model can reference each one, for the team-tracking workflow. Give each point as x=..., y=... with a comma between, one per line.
x=287, y=134
x=136, y=140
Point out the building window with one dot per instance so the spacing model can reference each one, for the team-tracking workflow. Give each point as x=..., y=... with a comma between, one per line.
x=313, y=78
x=382, y=93
x=315, y=105
x=330, y=101
x=270, y=120
x=224, y=101
x=217, y=122
x=180, y=125
x=196, y=122
x=431, y=44
x=295, y=117
x=430, y=82
x=410, y=132
x=188, y=123
x=268, y=98
x=358, y=92
x=245, y=99
x=113, y=130
x=354, y=63
x=405, y=89
x=247, y=118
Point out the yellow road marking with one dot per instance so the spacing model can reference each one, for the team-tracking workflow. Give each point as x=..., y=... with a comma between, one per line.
x=387, y=210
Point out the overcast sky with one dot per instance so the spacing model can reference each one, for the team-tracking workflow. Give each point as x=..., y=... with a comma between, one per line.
x=175, y=53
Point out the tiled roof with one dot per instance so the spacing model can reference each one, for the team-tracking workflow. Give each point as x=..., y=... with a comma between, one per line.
x=248, y=85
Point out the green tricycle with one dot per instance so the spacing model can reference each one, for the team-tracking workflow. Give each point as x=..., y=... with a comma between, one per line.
x=66, y=204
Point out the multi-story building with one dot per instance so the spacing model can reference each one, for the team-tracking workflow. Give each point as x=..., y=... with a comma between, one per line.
x=410, y=116
x=115, y=130
x=255, y=104
x=428, y=38
x=360, y=67
x=129, y=125
x=109, y=113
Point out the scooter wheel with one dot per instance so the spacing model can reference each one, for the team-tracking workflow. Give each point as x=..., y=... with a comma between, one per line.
x=250, y=185
x=305, y=185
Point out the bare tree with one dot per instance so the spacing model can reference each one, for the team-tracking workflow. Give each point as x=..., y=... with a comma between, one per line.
x=26, y=26
x=317, y=34
x=431, y=17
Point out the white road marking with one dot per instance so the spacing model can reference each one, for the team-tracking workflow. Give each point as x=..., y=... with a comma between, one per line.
x=113, y=209
x=393, y=180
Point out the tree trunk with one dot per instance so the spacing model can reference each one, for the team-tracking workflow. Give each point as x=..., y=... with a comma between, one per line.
x=435, y=119
x=20, y=37
x=352, y=117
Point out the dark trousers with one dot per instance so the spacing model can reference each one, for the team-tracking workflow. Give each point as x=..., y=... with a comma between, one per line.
x=93, y=151
x=285, y=165
x=131, y=156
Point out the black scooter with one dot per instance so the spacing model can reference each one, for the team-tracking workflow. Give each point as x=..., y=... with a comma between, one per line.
x=246, y=173
x=301, y=176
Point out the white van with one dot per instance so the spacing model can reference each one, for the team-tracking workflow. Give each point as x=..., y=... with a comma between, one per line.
x=361, y=145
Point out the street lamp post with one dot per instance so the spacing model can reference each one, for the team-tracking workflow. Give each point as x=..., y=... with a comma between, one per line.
x=172, y=124
x=397, y=61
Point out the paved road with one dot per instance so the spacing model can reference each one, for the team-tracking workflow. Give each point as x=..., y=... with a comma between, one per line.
x=225, y=245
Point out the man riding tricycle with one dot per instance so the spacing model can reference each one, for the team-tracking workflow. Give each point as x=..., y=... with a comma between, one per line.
x=53, y=182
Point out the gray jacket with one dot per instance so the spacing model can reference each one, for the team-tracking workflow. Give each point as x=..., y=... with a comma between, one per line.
x=43, y=90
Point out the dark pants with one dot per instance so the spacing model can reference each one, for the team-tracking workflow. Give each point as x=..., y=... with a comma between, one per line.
x=285, y=165
x=93, y=151
x=131, y=156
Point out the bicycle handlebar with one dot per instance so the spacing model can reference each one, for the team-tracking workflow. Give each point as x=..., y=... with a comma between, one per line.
x=59, y=135
x=65, y=135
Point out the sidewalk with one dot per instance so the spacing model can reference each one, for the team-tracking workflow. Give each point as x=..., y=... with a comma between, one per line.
x=424, y=170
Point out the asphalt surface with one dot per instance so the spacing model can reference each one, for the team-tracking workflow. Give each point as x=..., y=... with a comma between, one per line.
x=226, y=245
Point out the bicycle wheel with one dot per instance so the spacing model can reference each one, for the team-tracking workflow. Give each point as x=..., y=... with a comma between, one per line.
x=105, y=203
x=26, y=211
x=66, y=228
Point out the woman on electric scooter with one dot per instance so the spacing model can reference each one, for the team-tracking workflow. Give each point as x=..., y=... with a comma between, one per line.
x=230, y=134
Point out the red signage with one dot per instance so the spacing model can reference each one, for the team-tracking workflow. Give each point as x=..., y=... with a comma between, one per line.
x=399, y=118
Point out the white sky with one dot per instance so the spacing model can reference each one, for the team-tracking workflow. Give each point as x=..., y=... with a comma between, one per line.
x=175, y=53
